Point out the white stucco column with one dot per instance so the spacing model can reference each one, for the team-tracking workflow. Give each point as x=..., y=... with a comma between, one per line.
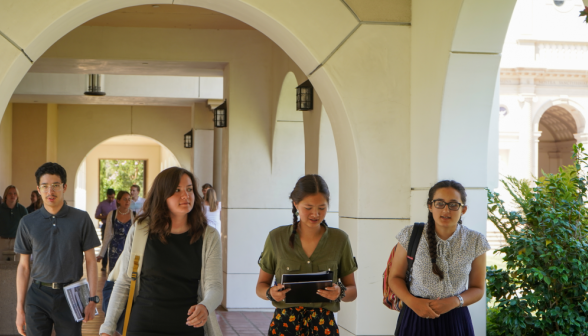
x=527, y=166
x=217, y=152
x=535, y=152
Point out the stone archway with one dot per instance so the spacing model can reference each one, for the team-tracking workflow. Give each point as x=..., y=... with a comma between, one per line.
x=558, y=128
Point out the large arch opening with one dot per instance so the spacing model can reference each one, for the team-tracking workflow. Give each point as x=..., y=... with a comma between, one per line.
x=161, y=94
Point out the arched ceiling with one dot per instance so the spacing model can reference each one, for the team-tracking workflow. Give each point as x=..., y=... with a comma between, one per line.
x=168, y=16
x=559, y=122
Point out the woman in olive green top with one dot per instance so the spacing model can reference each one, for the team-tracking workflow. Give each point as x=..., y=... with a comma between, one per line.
x=307, y=246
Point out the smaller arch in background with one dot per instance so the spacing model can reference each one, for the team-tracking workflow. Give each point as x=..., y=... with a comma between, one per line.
x=574, y=108
x=166, y=159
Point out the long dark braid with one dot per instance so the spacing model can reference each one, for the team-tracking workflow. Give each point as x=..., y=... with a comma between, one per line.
x=307, y=185
x=294, y=225
x=432, y=242
x=431, y=236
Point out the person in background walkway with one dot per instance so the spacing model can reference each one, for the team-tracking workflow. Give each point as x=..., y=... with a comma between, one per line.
x=36, y=201
x=449, y=269
x=59, y=237
x=212, y=209
x=11, y=211
x=180, y=281
x=307, y=246
x=118, y=223
x=205, y=188
x=136, y=201
x=102, y=211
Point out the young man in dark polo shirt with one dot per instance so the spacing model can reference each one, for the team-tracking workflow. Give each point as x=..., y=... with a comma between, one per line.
x=59, y=236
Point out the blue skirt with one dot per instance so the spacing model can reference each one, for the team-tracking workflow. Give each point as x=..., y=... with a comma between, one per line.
x=456, y=322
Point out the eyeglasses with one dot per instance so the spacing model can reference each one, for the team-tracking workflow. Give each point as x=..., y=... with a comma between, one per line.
x=440, y=204
x=44, y=188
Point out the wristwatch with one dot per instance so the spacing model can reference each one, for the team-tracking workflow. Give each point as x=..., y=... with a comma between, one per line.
x=269, y=296
x=460, y=300
x=94, y=299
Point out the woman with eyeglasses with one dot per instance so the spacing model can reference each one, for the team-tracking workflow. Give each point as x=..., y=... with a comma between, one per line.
x=449, y=269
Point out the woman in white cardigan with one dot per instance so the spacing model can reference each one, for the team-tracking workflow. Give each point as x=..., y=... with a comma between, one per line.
x=179, y=283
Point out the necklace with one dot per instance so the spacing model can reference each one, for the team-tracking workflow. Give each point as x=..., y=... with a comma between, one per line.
x=124, y=213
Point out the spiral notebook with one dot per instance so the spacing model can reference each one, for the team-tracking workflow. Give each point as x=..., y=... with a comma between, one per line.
x=304, y=286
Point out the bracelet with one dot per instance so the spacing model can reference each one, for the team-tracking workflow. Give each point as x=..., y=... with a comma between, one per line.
x=460, y=300
x=343, y=289
x=269, y=296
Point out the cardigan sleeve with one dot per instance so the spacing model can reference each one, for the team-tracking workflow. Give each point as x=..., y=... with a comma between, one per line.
x=212, y=272
x=108, y=235
x=120, y=293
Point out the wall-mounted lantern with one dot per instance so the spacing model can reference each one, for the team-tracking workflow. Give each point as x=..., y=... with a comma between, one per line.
x=220, y=115
x=95, y=85
x=304, y=97
x=188, y=139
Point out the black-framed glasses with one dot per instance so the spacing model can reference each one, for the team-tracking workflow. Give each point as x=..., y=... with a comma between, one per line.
x=440, y=204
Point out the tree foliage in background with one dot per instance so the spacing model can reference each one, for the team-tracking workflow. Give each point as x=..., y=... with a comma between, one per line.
x=543, y=290
x=121, y=175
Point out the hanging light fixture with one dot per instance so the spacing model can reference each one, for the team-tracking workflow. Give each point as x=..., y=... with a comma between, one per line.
x=188, y=139
x=304, y=94
x=95, y=85
x=220, y=115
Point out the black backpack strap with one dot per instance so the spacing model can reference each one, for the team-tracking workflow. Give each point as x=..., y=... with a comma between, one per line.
x=114, y=217
x=413, y=246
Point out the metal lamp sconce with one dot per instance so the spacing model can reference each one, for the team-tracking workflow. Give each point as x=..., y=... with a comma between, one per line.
x=220, y=115
x=304, y=93
x=188, y=139
x=95, y=85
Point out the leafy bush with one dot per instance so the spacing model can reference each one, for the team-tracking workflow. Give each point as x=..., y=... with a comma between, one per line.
x=543, y=290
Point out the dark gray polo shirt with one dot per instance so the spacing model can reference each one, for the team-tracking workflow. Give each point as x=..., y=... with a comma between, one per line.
x=56, y=242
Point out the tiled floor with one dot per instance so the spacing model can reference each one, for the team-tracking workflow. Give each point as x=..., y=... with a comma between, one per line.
x=244, y=323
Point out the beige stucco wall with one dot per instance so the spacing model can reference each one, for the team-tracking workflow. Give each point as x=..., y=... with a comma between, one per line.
x=138, y=152
x=82, y=127
x=29, y=138
x=6, y=149
x=52, y=132
x=203, y=117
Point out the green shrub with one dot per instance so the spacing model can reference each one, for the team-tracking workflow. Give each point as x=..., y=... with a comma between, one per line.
x=543, y=290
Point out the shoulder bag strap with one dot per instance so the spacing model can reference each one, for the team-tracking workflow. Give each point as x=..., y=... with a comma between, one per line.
x=113, y=218
x=413, y=246
x=131, y=294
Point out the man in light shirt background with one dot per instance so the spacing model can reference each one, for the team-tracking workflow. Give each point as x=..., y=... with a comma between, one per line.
x=136, y=200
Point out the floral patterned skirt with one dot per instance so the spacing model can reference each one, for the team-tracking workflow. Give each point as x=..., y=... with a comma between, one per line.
x=302, y=321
